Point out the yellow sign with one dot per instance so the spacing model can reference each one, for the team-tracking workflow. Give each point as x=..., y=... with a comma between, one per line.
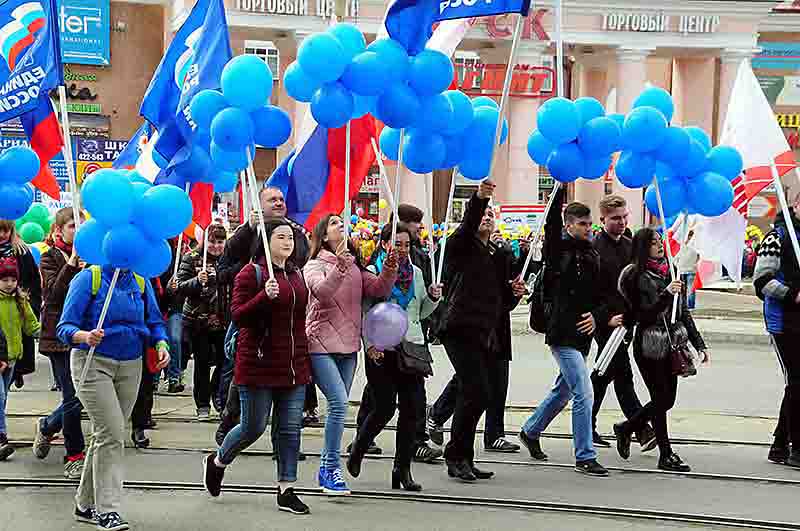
x=789, y=121
x=85, y=168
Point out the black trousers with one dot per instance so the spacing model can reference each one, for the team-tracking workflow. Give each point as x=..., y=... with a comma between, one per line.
x=143, y=409
x=619, y=371
x=420, y=403
x=311, y=402
x=788, y=429
x=209, y=351
x=444, y=406
x=392, y=390
x=471, y=361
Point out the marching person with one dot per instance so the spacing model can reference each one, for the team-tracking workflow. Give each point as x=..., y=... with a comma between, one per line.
x=649, y=290
x=172, y=305
x=272, y=365
x=777, y=282
x=133, y=323
x=337, y=284
x=571, y=280
x=395, y=384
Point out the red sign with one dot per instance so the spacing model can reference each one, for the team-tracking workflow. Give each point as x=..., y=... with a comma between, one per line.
x=499, y=26
x=527, y=81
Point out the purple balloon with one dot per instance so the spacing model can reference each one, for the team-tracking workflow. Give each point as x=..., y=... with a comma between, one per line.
x=386, y=325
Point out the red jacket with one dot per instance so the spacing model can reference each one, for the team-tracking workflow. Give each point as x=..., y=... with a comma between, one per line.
x=272, y=349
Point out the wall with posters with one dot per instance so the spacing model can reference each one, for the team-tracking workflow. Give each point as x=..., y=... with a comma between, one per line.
x=92, y=154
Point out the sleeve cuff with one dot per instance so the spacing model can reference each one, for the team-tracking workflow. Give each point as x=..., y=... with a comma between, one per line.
x=162, y=344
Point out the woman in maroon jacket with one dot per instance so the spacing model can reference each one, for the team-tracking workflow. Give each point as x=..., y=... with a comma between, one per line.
x=272, y=363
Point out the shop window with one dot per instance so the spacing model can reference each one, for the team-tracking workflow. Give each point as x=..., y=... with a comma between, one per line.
x=466, y=61
x=268, y=53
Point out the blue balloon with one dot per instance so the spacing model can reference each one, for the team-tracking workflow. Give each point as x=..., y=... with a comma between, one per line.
x=195, y=167
x=108, y=196
x=423, y=152
x=137, y=177
x=645, y=129
x=89, y=242
x=474, y=166
x=673, y=197
x=393, y=56
x=232, y=129
x=664, y=171
x=539, y=148
x=272, y=126
x=435, y=227
x=163, y=212
x=618, y=118
x=675, y=146
x=596, y=168
x=139, y=190
x=226, y=182
x=232, y=161
x=390, y=142
x=599, y=137
x=454, y=146
x=435, y=114
x=366, y=75
x=484, y=101
x=710, y=194
x=155, y=261
x=462, y=112
x=694, y=161
x=332, y=105
x=431, y=72
x=19, y=165
x=204, y=107
x=354, y=219
x=725, y=161
x=363, y=105
x=656, y=97
x=398, y=106
x=589, y=109
x=298, y=84
x=481, y=132
x=124, y=245
x=635, y=170
x=36, y=254
x=246, y=82
x=559, y=120
x=566, y=163
x=350, y=37
x=700, y=136
x=323, y=57
x=17, y=199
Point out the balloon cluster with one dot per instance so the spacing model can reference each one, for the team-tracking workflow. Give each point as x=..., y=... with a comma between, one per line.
x=35, y=224
x=18, y=166
x=456, y=131
x=229, y=124
x=131, y=221
x=385, y=325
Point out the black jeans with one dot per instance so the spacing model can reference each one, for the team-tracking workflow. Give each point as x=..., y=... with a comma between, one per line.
x=209, y=351
x=420, y=403
x=392, y=390
x=471, y=362
x=788, y=429
x=443, y=408
x=143, y=409
x=619, y=371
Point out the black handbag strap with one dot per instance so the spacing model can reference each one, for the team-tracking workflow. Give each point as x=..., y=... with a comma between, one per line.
x=669, y=333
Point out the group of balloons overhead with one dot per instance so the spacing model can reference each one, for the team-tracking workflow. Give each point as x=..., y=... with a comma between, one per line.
x=229, y=124
x=576, y=139
x=131, y=221
x=18, y=166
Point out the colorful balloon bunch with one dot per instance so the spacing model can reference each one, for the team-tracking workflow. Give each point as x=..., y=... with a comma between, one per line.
x=35, y=224
x=131, y=221
x=18, y=166
x=452, y=131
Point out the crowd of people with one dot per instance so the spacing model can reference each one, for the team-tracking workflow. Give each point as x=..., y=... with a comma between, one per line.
x=271, y=314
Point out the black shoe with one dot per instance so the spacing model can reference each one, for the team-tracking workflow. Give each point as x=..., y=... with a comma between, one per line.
x=151, y=424
x=373, y=449
x=310, y=418
x=778, y=454
x=212, y=475
x=111, y=522
x=139, y=439
x=673, y=463
x=19, y=381
x=647, y=438
x=623, y=441
x=533, y=446
x=503, y=446
x=480, y=474
x=426, y=454
x=435, y=431
x=460, y=470
x=289, y=502
x=6, y=450
x=89, y=516
x=591, y=467
x=401, y=477
x=354, y=461
x=599, y=442
x=175, y=387
x=794, y=459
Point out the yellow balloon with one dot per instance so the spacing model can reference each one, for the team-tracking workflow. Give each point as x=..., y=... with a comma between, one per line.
x=382, y=204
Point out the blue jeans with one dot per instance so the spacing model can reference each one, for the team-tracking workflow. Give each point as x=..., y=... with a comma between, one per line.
x=688, y=280
x=333, y=374
x=572, y=383
x=175, y=333
x=67, y=416
x=257, y=403
x=5, y=385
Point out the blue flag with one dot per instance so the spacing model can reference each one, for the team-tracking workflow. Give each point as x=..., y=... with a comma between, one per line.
x=410, y=21
x=130, y=154
x=193, y=62
x=31, y=52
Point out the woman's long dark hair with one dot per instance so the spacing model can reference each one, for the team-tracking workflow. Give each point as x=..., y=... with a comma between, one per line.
x=642, y=241
x=318, y=242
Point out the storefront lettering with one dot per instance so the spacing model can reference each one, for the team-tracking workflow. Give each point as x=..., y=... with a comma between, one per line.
x=69, y=75
x=320, y=8
x=526, y=81
x=499, y=26
x=660, y=23
x=789, y=121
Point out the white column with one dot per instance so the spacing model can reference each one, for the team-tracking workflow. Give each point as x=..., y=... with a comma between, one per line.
x=730, y=59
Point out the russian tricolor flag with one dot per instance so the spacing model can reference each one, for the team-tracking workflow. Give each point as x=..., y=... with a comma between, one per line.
x=44, y=134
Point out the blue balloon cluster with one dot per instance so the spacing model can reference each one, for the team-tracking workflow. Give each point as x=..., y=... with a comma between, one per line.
x=131, y=221
x=18, y=166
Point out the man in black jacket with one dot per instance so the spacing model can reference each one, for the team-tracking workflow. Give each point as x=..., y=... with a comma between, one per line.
x=571, y=280
x=478, y=292
x=614, y=249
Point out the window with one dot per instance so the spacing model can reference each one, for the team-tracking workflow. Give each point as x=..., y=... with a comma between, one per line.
x=267, y=51
x=546, y=183
x=466, y=61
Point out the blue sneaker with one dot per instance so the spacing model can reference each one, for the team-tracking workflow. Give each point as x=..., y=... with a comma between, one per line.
x=333, y=483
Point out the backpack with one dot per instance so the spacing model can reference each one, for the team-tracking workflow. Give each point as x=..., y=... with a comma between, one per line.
x=541, y=302
x=97, y=280
x=232, y=333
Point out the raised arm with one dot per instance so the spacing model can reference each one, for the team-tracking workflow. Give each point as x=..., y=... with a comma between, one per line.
x=553, y=228
x=321, y=283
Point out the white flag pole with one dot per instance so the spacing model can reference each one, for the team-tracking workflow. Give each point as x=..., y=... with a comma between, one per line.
x=787, y=215
x=68, y=159
x=180, y=245
x=100, y=322
x=447, y=214
x=429, y=223
x=537, y=233
x=397, y=185
x=253, y=188
x=347, y=206
x=684, y=221
x=670, y=258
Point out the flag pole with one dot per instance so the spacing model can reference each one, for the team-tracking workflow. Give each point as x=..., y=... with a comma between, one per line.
x=100, y=322
x=245, y=214
x=382, y=171
x=787, y=215
x=180, y=244
x=448, y=211
x=684, y=236
x=67, y=149
x=253, y=187
x=397, y=185
x=347, y=205
x=429, y=223
x=668, y=246
x=537, y=235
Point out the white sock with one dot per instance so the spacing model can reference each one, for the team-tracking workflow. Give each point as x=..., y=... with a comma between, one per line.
x=283, y=485
x=216, y=462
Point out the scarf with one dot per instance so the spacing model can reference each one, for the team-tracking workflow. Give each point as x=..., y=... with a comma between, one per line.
x=6, y=249
x=63, y=246
x=659, y=267
x=403, y=289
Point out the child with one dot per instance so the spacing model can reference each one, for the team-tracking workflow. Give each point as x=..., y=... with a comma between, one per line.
x=16, y=318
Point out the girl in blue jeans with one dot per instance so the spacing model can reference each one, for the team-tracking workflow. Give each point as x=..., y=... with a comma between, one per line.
x=337, y=285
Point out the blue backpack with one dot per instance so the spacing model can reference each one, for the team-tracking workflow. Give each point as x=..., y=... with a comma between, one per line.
x=232, y=334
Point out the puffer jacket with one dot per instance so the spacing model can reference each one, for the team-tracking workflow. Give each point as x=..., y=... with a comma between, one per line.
x=56, y=276
x=333, y=320
x=14, y=323
x=272, y=349
x=202, y=305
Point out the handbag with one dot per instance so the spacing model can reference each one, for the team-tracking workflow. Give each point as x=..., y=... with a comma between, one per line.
x=680, y=356
x=414, y=359
x=151, y=360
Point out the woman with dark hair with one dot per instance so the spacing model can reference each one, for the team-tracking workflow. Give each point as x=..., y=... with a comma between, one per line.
x=337, y=284
x=649, y=291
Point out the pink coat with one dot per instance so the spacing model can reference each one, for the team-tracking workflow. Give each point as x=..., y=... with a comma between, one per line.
x=333, y=317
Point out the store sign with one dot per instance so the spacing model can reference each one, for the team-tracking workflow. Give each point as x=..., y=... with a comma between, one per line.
x=92, y=154
x=527, y=81
x=302, y=8
x=84, y=108
x=371, y=184
x=70, y=75
x=659, y=22
x=778, y=56
x=791, y=121
x=500, y=26
x=85, y=31
x=781, y=90
x=516, y=217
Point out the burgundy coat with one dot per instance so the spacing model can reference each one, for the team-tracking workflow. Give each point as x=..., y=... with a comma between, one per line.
x=272, y=349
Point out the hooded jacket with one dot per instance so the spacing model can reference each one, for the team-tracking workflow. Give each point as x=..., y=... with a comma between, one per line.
x=14, y=323
x=777, y=278
x=56, y=276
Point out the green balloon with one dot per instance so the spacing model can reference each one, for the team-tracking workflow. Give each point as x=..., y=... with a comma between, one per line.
x=31, y=233
x=38, y=213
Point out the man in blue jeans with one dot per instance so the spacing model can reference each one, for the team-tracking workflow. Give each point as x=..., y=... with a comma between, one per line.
x=571, y=279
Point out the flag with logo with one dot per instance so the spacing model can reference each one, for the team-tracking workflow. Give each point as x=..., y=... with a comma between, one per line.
x=751, y=128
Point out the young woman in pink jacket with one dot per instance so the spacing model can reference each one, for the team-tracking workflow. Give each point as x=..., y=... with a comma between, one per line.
x=337, y=284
